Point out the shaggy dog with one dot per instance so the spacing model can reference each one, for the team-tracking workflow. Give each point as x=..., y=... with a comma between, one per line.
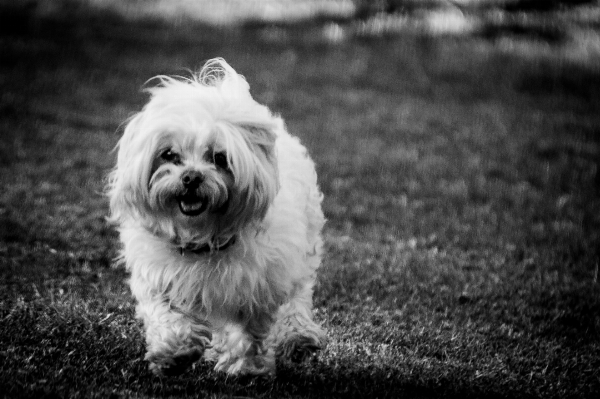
x=220, y=218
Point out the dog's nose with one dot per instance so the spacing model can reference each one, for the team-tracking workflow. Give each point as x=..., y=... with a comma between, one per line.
x=192, y=178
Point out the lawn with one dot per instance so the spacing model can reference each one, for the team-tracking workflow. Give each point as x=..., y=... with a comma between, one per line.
x=462, y=194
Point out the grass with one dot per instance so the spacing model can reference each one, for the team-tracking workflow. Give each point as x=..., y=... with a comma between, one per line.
x=462, y=197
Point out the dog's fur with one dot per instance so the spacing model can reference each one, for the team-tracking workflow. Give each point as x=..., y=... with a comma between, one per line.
x=220, y=217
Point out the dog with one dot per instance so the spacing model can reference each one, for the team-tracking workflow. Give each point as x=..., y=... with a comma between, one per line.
x=219, y=215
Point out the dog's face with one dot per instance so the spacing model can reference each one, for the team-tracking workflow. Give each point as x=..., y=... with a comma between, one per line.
x=198, y=163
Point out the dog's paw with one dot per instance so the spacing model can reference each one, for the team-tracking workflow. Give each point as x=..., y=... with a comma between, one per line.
x=250, y=365
x=175, y=364
x=298, y=347
x=245, y=358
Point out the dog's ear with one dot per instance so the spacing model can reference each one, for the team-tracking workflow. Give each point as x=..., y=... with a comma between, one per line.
x=263, y=139
x=127, y=186
x=253, y=157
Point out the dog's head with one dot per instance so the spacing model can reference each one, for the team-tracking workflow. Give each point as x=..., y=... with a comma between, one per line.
x=198, y=163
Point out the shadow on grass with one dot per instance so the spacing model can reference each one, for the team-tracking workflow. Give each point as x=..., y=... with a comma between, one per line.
x=69, y=347
x=342, y=380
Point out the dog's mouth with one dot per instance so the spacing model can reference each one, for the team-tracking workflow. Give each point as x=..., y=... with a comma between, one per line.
x=191, y=204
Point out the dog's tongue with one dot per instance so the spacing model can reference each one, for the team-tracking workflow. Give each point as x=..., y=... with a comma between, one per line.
x=191, y=208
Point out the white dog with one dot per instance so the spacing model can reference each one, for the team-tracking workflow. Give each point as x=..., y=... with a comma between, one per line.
x=220, y=217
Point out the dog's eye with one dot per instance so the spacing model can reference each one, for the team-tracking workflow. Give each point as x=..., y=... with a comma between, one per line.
x=170, y=156
x=220, y=160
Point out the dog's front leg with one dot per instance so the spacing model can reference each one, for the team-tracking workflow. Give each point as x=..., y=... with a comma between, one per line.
x=175, y=339
x=240, y=348
x=295, y=336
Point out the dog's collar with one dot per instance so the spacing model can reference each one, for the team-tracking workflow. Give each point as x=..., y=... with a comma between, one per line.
x=215, y=246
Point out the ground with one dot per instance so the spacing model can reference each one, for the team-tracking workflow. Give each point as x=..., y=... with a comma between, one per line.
x=461, y=188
